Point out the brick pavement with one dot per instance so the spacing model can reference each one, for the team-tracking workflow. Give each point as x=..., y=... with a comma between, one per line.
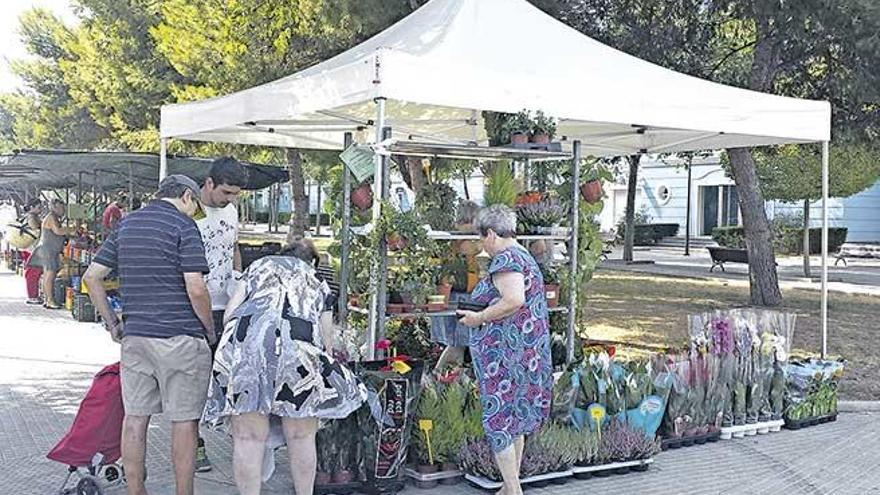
x=47, y=361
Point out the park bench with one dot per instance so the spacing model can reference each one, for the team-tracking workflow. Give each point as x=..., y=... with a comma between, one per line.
x=722, y=255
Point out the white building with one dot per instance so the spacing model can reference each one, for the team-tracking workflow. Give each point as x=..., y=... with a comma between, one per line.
x=662, y=195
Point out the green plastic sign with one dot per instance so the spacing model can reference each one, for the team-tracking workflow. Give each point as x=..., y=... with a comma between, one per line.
x=360, y=160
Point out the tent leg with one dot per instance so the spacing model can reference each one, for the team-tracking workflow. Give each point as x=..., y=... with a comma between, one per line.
x=163, y=159
x=573, y=251
x=372, y=336
x=825, y=159
x=345, y=268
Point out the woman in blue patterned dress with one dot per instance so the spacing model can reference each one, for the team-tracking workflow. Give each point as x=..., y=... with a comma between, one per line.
x=510, y=343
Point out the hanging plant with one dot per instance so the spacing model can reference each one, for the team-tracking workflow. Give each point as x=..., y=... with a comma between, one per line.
x=362, y=196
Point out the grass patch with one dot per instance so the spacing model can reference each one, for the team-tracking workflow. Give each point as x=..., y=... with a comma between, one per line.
x=653, y=309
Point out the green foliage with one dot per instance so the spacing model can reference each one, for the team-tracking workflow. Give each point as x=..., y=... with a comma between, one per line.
x=787, y=239
x=543, y=124
x=436, y=205
x=793, y=173
x=545, y=213
x=501, y=186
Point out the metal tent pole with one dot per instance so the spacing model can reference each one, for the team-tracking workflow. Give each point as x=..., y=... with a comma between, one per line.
x=163, y=158
x=345, y=268
x=377, y=209
x=687, y=220
x=825, y=159
x=130, y=187
x=573, y=251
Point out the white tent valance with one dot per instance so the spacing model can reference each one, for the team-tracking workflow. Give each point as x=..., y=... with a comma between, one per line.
x=451, y=59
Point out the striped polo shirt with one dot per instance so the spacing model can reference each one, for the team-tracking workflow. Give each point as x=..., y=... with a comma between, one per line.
x=152, y=248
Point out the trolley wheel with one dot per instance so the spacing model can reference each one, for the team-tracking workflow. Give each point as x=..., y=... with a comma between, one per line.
x=89, y=485
x=112, y=473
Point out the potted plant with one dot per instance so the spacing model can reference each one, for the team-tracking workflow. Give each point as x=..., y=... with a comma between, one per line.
x=551, y=284
x=591, y=189
x=436, y=205
x=518, y=127
x=542, y=217
x=327, y=454
x=543, y=128
x=362, y=196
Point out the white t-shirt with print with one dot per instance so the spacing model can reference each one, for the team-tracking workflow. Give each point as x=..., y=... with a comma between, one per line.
x=219, y=231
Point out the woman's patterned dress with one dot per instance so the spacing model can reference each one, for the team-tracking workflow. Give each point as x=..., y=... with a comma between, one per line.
x=271, y=358
x=512, y=356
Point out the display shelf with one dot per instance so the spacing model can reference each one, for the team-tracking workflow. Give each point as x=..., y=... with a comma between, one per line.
x=473, y=152
x=436, y=314
x=461, y=236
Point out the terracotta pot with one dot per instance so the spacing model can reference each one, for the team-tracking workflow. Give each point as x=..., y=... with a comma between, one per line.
x=551, y=292
x=322, y=478
x=592, y=191
x=394, y=309
x=446, y=290
x=541, y=138
x=395, y=242
x=519, y=138
x=353, y=300
x=436, y=307
x=342, y=476
x=362, y=197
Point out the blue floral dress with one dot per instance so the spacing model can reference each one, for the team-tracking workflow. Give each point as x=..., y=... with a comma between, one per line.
x=512, y=356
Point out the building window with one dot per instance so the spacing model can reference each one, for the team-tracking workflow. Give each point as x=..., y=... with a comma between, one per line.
x=663, y=194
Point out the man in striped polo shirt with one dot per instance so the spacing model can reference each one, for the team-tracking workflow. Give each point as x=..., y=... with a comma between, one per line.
x=166, y=324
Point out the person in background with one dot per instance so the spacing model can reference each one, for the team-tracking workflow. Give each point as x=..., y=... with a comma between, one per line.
x=219, y=229
x=32, y=273
x=113, y=214
x=274, y=377
x=510, y=344
x=47, y=254
x=166, y=325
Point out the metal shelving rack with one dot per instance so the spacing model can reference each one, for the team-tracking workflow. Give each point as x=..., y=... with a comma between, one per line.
x=376, y=313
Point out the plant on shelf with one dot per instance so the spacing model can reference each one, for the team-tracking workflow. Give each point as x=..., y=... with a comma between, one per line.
x=518, y=126
x=436, y=205
x=542, y=217
x=501, y=186
x=543, y=128
x=551, y=284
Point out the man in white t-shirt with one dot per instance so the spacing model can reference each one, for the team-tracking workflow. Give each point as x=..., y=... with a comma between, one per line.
x=219, y=229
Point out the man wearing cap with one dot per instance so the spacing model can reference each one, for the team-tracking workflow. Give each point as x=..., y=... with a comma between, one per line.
x=166, y=324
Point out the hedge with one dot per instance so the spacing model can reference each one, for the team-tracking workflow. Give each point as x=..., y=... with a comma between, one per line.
x=786, y=240
x=648, y=234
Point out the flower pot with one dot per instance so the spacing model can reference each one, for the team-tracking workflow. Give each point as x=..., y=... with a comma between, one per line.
x=342, y=476
x=362, y=196
x=542, y=138
x=353, y=300
x=551, y=292
x=395, y=242
x=394, y=309
x=591, y=191
x=446, y=290
x=426, y=468
x=322, y=478
x=519, y=138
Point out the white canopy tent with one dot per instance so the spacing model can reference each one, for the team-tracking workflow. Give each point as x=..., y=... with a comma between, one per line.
x=429, y=76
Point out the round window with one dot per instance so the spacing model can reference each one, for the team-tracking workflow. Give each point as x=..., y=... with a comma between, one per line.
x=663, y=194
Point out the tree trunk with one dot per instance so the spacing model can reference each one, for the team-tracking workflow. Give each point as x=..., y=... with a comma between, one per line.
x=807, y=238
x=416, y=174
x=632, y=184
x=764, y=284
x=464, y=183
x=299, y=218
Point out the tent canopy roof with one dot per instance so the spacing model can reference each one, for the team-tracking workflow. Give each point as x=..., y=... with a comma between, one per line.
x=441, y=66
x=109, y=170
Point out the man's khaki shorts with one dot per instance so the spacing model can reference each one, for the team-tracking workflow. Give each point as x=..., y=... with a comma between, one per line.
x=167, y=375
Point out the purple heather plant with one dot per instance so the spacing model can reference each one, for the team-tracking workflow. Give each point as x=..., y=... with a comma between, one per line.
x=722, y=336
x=620, y=443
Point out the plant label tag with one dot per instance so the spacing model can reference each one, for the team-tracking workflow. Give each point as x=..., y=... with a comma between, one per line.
x=426, y=424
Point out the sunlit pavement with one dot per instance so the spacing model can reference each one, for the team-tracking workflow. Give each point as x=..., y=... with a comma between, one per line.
x=47, y=361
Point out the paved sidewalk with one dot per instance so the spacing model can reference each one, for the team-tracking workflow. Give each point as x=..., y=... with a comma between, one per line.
x=47, y=362
x=860, y=276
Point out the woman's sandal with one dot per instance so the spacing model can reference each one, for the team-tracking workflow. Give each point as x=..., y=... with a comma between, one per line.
x=51, y=306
